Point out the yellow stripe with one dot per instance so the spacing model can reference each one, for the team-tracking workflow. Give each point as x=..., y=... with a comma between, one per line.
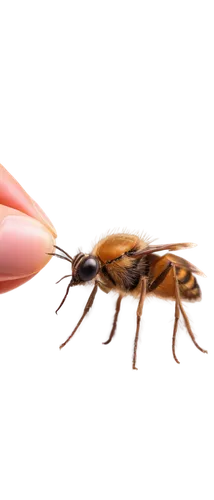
x=181, y=273
x=191, y=282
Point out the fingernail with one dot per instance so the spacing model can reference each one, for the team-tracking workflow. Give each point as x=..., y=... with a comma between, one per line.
x=24, y=243
x=14, y=196
x=43, y=216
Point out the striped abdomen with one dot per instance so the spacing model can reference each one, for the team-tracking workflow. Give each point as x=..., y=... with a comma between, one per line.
x=188, y=285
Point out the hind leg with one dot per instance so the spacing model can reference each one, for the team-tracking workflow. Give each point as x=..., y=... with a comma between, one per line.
x=188, y=327
x=177, y=315
x=180, y=310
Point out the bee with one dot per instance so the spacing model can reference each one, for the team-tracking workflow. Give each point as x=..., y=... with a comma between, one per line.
x=129, y=265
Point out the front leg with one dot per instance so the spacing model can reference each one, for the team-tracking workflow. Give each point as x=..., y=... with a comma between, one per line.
x=84, y=316
x=139, y=314
x=64, y=297
x=117, y=310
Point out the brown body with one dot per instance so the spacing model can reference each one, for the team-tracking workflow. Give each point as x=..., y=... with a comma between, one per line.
x=121, y=270
x=129, y=265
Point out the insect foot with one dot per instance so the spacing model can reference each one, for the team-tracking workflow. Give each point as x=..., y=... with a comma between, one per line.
x=175, y=358
x=204, y=351
x=135, y=368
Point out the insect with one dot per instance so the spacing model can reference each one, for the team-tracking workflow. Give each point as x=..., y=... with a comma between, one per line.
x=129, y=265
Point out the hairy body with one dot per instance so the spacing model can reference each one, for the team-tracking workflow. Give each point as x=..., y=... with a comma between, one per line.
x=129, y=265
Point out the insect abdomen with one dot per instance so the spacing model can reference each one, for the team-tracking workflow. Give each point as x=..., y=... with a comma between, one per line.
x=188, y=285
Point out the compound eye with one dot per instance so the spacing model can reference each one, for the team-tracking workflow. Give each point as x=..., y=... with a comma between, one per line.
x=88, y=269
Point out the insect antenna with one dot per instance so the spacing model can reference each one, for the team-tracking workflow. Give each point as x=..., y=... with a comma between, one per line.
x=68, y=257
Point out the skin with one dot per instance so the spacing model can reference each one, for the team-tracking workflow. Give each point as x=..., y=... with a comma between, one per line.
x=26, y=234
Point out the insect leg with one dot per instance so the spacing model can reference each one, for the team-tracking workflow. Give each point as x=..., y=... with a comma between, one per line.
x=64, y=298
x=67, y=276
x=188, y=327
x=112, y=333
x=190, y=333
x=139, y=314
x=177, y=314
x=87, y=307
